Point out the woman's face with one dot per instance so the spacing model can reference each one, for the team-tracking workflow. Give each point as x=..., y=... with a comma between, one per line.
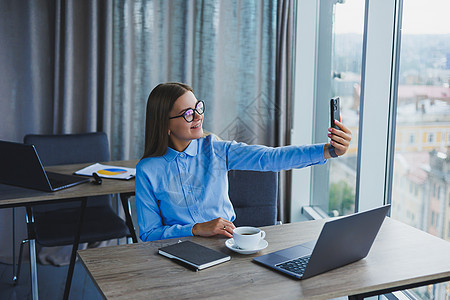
x=182, y=132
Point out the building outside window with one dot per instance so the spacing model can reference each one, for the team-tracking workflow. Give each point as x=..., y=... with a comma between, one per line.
x=423, y=103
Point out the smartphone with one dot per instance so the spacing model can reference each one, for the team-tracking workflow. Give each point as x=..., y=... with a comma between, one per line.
x=335, y=112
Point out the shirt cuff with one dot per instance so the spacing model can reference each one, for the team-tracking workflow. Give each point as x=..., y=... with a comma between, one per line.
x=187, y=230
x=317, y=154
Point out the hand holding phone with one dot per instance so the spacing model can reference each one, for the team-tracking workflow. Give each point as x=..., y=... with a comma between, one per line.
x=335, y=112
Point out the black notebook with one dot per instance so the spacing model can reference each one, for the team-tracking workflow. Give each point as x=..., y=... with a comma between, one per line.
x=194, y=255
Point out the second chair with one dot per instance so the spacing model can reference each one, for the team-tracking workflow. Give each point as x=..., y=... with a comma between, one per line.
x=55, y=224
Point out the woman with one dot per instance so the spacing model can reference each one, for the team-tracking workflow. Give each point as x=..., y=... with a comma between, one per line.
x=181, y=181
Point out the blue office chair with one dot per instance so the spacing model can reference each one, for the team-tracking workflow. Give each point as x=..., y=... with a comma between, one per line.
x=55, y=224
x=254, y=196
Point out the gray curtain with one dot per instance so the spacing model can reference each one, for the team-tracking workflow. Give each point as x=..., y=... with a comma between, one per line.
x=83, y=66
x=26, y=80
x=56, y=62
x=284, y=88
x=225, y=49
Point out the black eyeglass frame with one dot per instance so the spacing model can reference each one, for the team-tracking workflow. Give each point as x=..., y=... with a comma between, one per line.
x=194, y=111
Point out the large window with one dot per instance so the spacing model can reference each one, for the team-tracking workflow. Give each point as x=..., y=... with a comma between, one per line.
x=337, y=72
x=421, y=189
x=346, y=58
x=398, y=111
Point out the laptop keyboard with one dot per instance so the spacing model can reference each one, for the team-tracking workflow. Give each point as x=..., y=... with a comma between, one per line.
x=57, y=183
x=60, y=180
x=296, y=266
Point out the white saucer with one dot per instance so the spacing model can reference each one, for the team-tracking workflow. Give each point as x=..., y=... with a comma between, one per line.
x=232, y=246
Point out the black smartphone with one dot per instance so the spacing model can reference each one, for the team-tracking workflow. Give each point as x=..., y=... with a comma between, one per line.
x=335, y=111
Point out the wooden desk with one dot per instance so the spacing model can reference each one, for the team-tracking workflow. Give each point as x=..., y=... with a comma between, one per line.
x=11, y=196
x=400, y=257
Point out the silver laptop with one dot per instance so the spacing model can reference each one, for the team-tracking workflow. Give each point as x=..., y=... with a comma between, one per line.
x=22, y=167
x=341, y=241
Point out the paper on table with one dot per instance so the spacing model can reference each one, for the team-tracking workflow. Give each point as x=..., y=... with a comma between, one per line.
x=106, y=171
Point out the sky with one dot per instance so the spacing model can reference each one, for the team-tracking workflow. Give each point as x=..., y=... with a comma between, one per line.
x=419, y=16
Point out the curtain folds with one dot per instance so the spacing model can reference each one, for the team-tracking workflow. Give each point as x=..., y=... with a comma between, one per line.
x=25, y=57
x=83, y=66
x=224, y=49
x=284, y=87
x=56, y=61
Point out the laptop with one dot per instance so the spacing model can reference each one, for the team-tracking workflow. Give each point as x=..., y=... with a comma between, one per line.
x=341, y=241
x=21, y=166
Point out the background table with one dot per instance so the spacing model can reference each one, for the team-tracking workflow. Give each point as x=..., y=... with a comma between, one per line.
x=12, y=196
x=401, y=257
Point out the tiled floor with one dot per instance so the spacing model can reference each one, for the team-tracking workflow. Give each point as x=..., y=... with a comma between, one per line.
x=51, y=280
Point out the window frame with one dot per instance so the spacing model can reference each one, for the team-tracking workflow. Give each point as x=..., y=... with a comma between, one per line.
x=379, y=79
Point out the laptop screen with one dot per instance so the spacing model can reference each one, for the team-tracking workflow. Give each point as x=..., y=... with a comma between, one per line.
x=21, y=166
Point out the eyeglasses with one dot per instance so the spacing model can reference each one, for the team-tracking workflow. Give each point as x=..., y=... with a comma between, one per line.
x=189, y=114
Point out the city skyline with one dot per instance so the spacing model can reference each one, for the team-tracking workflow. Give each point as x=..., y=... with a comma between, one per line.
x=417, y=17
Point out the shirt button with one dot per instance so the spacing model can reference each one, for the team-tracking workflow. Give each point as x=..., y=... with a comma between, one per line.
x=182, y=155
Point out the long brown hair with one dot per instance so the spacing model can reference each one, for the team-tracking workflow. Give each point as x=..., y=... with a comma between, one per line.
x=159, y=104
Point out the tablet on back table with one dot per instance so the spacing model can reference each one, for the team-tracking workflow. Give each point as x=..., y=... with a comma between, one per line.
x=341, y=241
x=21, y=166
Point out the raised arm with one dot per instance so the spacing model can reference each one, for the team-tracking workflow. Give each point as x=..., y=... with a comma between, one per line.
x=241, y=156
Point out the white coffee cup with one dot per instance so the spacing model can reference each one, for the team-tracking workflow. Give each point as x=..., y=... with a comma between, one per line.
x=247, y=237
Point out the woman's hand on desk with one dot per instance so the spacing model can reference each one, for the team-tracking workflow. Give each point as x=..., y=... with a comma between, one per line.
x=214, y=227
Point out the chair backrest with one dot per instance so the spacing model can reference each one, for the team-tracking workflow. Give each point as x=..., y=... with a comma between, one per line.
x=60, y=149
x=254, y=196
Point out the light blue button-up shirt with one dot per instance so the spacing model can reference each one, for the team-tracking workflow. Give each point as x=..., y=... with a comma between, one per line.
x=179, y=189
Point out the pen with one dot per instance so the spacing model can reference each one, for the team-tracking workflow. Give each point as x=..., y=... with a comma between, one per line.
x=186, y=265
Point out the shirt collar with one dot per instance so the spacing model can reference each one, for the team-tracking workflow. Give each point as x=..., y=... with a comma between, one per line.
x=170, y=154
x=191, y=150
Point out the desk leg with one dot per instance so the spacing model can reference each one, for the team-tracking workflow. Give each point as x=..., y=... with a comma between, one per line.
x=74, y=249
x=33, y=265
x=126, y=208
x=33, y=262
x=14, y=243
x=398, y=288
